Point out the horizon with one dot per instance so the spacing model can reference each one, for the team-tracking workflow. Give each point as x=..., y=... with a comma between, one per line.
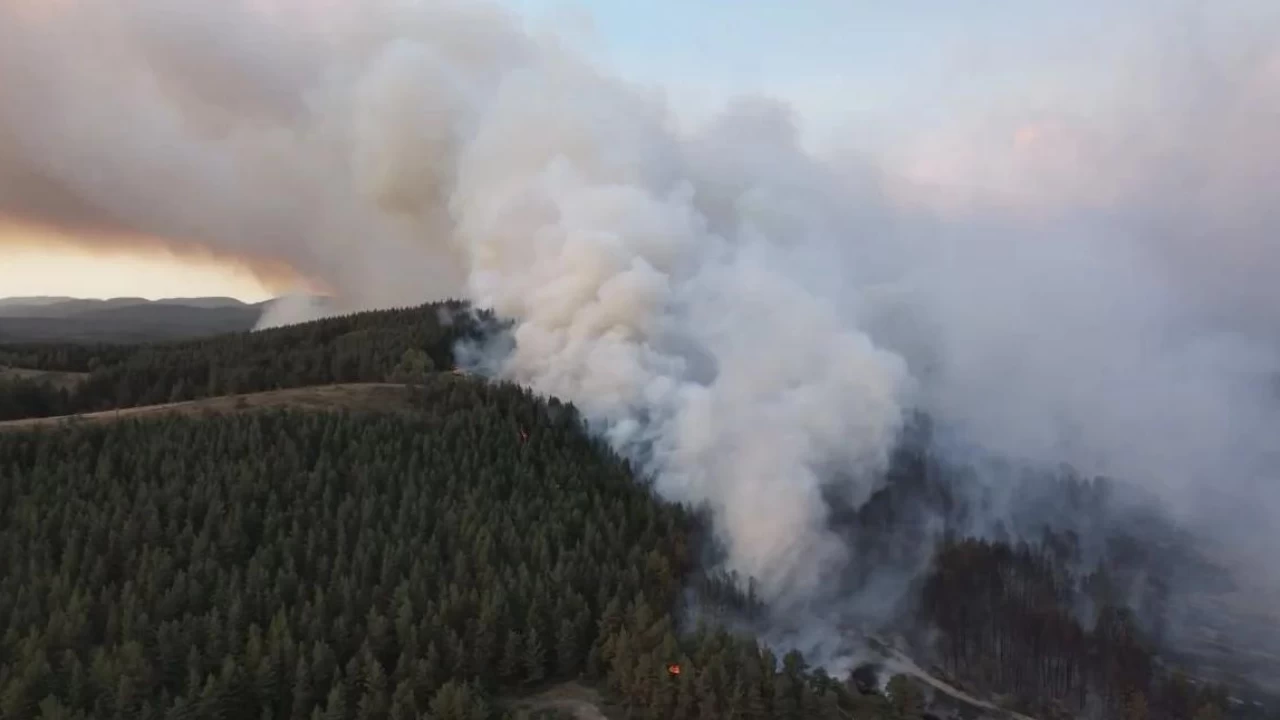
x=42, y=263
x=71, y=298
x=930, y=89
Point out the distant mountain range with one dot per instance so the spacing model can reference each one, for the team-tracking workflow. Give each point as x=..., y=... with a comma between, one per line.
x=122, y=320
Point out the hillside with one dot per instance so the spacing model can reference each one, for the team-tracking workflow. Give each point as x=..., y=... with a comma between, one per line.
x=292, y=564
x=33, y=301
x=359, y=348
x=61, y=307
x=121, y=320
x=461, y=545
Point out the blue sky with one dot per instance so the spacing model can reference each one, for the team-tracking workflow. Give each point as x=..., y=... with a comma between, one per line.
x=872, y=64
x=864, y=73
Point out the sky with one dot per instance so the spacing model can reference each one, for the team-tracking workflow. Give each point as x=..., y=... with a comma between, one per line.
x=858, y=62
x=41, y=263
x=873, y=77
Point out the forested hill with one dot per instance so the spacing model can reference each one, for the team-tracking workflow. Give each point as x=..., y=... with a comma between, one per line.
x=122, y=319
x=301, y=565
x=363, y=347
x=447, y=563
x=450, y=554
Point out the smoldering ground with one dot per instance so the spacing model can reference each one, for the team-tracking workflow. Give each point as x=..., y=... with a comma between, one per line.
x=753, y=318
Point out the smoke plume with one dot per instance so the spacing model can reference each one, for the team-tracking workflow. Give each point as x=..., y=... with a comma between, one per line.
x=752, y=319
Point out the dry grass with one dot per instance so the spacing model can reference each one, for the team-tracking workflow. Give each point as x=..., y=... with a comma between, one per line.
x=66, y=380
x=369, y=397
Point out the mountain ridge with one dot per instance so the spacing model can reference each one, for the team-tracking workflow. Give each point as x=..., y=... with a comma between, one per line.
x=124, y=319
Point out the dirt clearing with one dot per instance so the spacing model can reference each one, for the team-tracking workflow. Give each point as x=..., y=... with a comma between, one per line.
x=568, y=700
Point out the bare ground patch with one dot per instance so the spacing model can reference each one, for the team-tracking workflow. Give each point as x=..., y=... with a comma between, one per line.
x=571, y=701
x=370, y=397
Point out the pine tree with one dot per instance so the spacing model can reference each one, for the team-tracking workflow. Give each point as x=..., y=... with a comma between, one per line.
x=511, y=666
x=567, y=657
x=335, y=706
x=52, y=709
x=428, y=673
x=403, y=704
x=303, y=691
x=375, y=701
x=535, y=659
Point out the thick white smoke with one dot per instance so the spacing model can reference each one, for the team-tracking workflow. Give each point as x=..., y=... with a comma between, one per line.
x=404, y=152
x=752, y=319
x=673, y=325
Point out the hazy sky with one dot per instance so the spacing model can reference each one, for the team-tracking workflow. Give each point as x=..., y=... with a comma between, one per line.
x=40, y=263
x=878, y=77
x=856, y=65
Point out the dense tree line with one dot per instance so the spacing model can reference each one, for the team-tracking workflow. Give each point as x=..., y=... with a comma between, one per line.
x=1013, y=618
x=363, y=347
x=325, y=565
x=1038, y=585
x=64, y=357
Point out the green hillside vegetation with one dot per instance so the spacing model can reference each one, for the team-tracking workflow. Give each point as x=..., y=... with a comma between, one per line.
x=287, y=564
x=452, y=552
x=363, y=347
x=121, y=320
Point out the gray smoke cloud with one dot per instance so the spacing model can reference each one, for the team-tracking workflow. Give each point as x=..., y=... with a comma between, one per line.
x=751, y=317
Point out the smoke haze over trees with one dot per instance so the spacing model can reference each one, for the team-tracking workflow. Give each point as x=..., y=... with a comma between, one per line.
x=752, y=321
x=372, y=564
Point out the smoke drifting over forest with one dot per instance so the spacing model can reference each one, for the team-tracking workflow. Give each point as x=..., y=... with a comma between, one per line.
x=751, y=318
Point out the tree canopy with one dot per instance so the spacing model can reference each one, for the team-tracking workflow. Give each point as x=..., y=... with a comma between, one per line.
x=443, y=562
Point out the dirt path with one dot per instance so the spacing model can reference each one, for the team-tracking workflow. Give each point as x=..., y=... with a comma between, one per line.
x=897, y=662
x=581, y=702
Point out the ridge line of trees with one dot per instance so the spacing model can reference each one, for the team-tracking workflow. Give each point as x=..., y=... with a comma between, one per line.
x=375, y=346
